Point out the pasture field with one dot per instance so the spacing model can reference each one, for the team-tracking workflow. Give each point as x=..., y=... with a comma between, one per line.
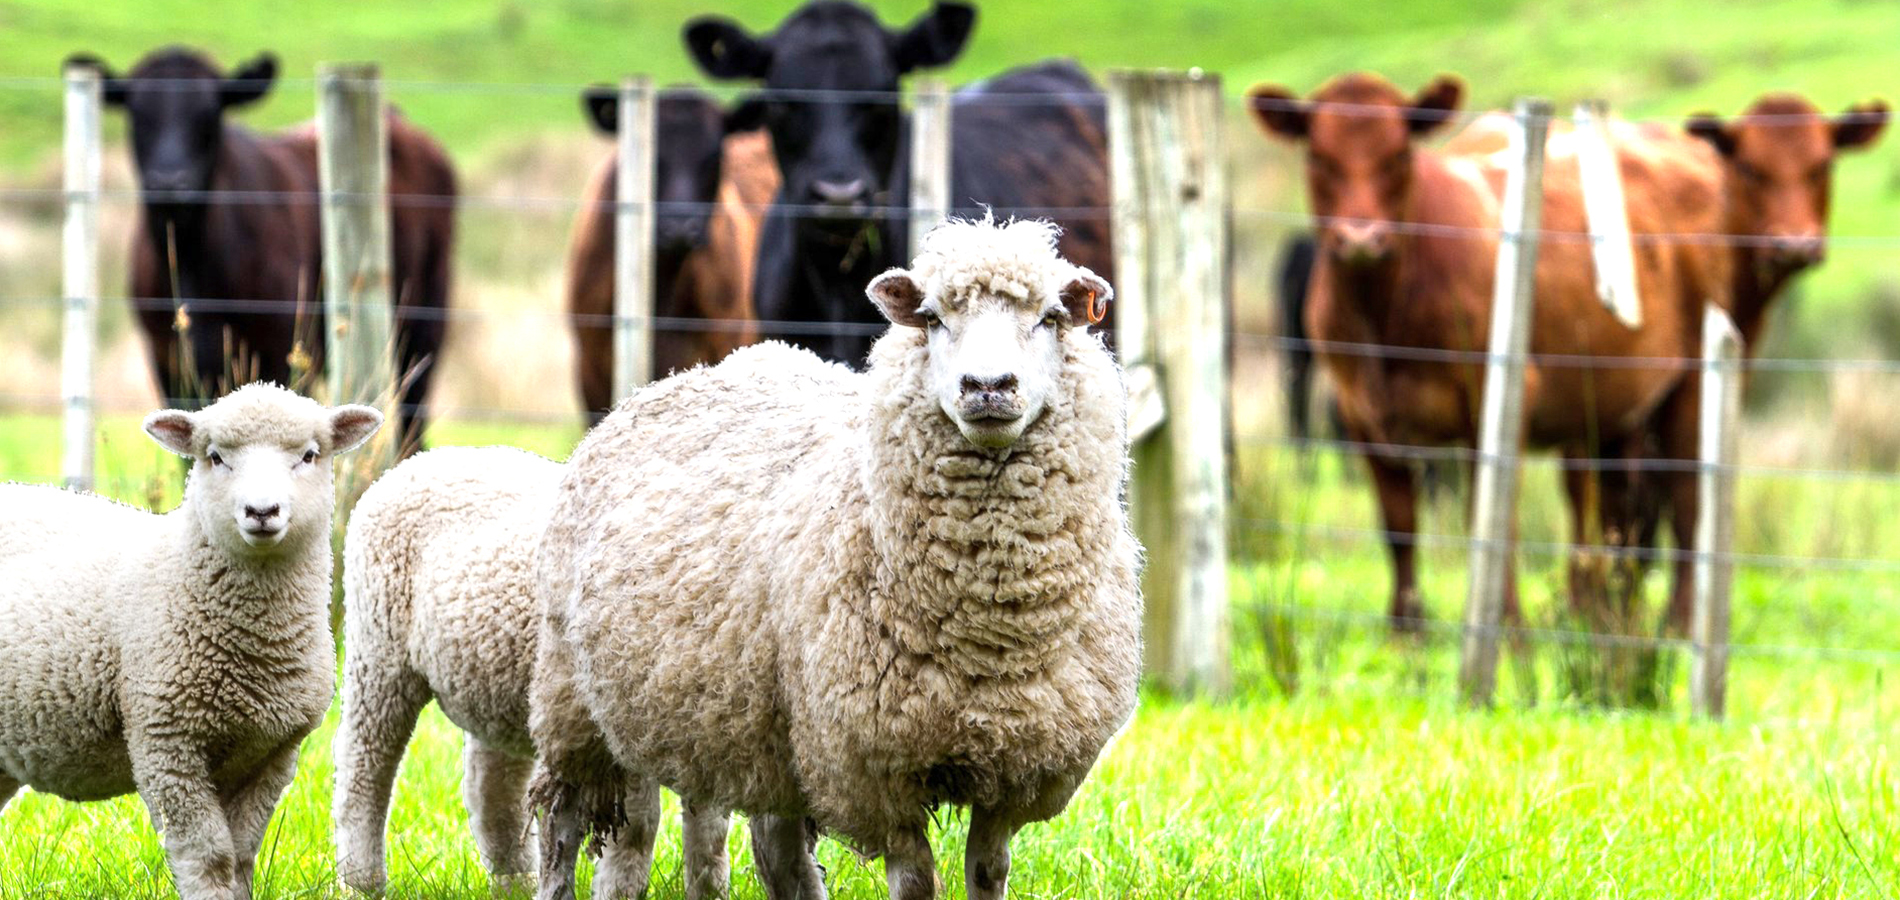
x=1342, y=765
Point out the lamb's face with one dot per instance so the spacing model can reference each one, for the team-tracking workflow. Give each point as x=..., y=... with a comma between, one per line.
x=260, y=476
x=995, y=357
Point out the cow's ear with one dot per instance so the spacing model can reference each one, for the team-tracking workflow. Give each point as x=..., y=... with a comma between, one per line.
x=1860, y=125
x=1435, y=104
x=747, y=114
x=1086, y=297
x=602, y=106
x=898, y=297
x=935, y=38
x=1279, y=111
x=111, y=87
x=1711, y=128
x=249, y=83
x=724, y=50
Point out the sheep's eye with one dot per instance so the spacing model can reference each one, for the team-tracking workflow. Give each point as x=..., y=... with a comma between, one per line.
x=1052, y=318
x=931, y=319
x=309, y=456
x=215, y=458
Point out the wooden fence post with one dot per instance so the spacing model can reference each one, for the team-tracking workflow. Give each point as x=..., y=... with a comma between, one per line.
x=1171, y=209
x=353, y=175
x=79, y=276
x=1721, y=425
x=633, y=238
x=929, y=158
x=1493, y=507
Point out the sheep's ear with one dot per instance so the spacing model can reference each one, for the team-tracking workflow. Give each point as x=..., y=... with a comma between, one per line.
x=1279, y=111
x=602, y=105
x=898, y=297
x=1709, y=127
x=249, y=83
x=1860, y=125
x=172, y=429
x=1086, y=297
x=351, y=425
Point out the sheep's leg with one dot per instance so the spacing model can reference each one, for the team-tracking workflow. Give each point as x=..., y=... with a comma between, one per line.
x=248, y=810
x=909, y=867
x=8, y=787
x=381, y=701
x=626, y=858
x=493, y=786
x=558, y=803
x=986, y=860
x=184, y=806
x=703, y=830
x=782, y=852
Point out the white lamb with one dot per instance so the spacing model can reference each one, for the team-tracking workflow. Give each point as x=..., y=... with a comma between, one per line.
x=837, y=600
x=438, y=604
x=185, y=655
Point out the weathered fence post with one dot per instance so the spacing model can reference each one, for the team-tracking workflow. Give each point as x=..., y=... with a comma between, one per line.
x=353, y=175
x=1502, y=417
x=79, y=275
x=633, y=238
x=1171, y=209
x=1721, y=425
x=1606, y=213
x=929, y=158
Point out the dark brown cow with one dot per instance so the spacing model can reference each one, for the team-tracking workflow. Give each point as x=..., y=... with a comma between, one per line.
x=1778, y=162
x=1408, y=246
x=714, y=180
x=228, y=255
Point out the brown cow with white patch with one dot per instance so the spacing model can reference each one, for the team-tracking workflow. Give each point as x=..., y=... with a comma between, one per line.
x=1408, y=248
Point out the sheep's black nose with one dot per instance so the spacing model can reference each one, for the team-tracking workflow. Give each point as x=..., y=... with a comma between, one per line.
x=264, y=514
x=995, y=384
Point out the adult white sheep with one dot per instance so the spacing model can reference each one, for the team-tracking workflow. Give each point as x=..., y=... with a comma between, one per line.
x=842, y=600
x=185, y=655
x=438, y=604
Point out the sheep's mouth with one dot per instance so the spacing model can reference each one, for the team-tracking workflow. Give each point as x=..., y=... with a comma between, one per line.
x=263, y=536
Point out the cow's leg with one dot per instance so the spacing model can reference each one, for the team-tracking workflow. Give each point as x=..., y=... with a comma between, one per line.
x=782, y=852
x=1584, y=563
x=626, y=856
x=1397, y=485
x=1672, y=492
x=493, y=787
x=704, y=829
x=381, y=700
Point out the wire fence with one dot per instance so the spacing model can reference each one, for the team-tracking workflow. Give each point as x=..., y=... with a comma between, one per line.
x=889, y=206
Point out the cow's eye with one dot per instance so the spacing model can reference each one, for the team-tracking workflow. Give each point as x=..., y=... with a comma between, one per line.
x=309, y=456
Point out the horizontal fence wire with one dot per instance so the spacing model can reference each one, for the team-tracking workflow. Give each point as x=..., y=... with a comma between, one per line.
x=1566, y=550
x=1569, y=637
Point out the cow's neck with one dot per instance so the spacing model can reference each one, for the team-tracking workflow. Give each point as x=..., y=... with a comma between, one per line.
x=1755, y=285
x=1367, y=292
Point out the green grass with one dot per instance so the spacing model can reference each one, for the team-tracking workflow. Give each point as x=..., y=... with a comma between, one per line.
x=1366, y=780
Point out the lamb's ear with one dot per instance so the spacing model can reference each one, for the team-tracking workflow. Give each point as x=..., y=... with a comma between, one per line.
x=111, y=87
x=172, y=429
x=1709, y=127
x=602, y=105
x=898, y=297
x=1860, y=125
x=249, y=83
x=1280, y=112
x=1086, y=297
x=351, y=425
x=724, y=50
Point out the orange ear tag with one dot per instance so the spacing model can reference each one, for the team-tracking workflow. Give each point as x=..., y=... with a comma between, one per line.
x=1096, y=311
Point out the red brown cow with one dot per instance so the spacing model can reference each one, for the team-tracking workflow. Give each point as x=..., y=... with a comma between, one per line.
x=1408, y=246
x=1778, y=162
x=227, y=290
x=713, y=191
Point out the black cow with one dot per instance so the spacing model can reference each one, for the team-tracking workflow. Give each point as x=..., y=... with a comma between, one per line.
x=831, y=75
x=1294, y=275
x=228, y=253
